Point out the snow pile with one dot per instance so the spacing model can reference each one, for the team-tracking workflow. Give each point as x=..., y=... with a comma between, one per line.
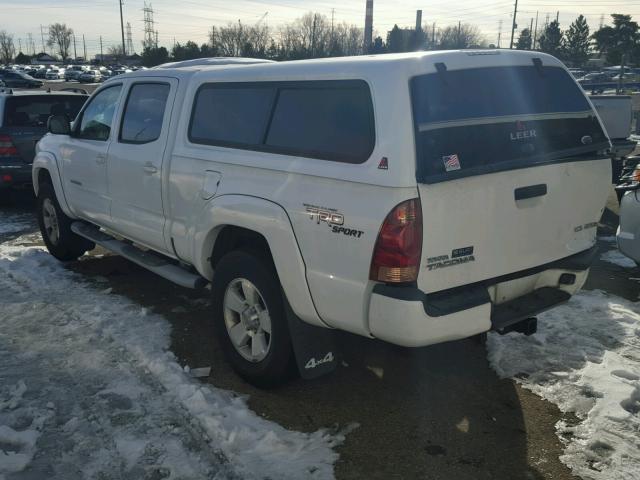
x=14, y=223
x=95, y=389
x=617, y=258
x=586, y=359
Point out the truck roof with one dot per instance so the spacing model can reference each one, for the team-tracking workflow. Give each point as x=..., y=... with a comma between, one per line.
x=10, y=92
x=403, y=64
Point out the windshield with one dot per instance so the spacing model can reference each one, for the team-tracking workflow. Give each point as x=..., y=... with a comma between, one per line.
x=488, y=119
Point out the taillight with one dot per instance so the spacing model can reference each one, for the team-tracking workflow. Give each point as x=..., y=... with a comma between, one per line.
x=396, y=256
x=635, y=176
x=7, y=148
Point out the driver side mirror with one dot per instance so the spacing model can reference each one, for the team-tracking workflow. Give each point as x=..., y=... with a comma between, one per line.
x=59, y=125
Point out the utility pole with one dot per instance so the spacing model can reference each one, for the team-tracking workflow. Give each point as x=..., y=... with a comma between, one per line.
x=19, y=45
x=558, y=16
x=101, y=55
x=42, y=35
x=514, y=25
x=333, y=13
x=84, y=44
x=459, y=39
x=433, y=35
x=368, y=26
x=535, y=33
x=313, y=35
x=499, y=32
x=124, y=47
x=75, y=54
x=530, y=37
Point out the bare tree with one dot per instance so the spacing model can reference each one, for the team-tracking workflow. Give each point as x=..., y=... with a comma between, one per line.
x=237, y=40
x=115, y=51
x=7, y=47
x=60, y=37
x=461, y=36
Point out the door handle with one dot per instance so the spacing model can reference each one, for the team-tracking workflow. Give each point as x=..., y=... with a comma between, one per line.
x=531, y=191
x=101, y=159
x=150, y=168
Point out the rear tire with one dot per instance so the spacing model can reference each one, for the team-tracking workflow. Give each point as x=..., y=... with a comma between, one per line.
x=250, y=319
x=55, y=228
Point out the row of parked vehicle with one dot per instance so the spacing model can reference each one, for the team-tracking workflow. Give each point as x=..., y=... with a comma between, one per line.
x=30, y=76
x=610, y=75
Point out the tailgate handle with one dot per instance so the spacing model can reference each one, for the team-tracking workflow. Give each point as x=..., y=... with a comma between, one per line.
x=531, y=191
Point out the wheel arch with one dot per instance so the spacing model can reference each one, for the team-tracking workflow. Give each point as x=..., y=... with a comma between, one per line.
x=45, y=169
x=240, y=221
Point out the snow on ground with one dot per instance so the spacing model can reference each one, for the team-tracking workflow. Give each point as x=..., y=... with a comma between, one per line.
x=88, y=389
x=15, y=222
x=586, y=359
x=617, y=258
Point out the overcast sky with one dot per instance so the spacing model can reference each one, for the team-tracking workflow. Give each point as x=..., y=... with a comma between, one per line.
x=184, y=20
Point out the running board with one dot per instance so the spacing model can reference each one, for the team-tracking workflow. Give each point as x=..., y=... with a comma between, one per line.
x=152, y=261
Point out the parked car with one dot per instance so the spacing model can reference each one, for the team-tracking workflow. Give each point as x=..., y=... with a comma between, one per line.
x=90, y=76
x=73, y=72
x=55, y=74
x=23, y=121
x=15, y=79
x=40, y=73
x=628, y=235
x=415, y=198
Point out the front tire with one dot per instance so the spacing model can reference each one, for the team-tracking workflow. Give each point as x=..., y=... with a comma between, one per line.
x=250, y=319
x=55, y=228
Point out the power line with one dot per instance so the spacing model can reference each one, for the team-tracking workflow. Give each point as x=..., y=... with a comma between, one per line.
x=150, y=36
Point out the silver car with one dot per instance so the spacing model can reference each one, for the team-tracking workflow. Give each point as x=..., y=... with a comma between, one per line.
x=628, y=235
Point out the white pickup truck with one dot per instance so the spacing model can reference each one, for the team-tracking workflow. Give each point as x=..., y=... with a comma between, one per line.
x=415, y=198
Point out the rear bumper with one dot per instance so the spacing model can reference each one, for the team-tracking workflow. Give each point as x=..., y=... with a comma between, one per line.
x=412, y=318
x=15, y=176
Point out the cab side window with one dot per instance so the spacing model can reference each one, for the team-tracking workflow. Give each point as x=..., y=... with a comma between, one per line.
x=144, y=112
x=97, y=117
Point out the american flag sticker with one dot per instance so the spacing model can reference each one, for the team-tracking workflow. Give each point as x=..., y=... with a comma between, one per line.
x=451, y=162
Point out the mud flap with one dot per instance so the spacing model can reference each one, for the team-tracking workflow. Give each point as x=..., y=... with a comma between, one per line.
x=314, y=347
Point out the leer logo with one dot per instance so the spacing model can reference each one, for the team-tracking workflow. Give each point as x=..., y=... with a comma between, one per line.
x=522, y=132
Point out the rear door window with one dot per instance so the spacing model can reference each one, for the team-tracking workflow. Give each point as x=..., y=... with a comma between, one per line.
x=144, y=112
x=231, y=115
x=35, y=110
x=329, y=123
x=329, y=120
x=489, y=119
